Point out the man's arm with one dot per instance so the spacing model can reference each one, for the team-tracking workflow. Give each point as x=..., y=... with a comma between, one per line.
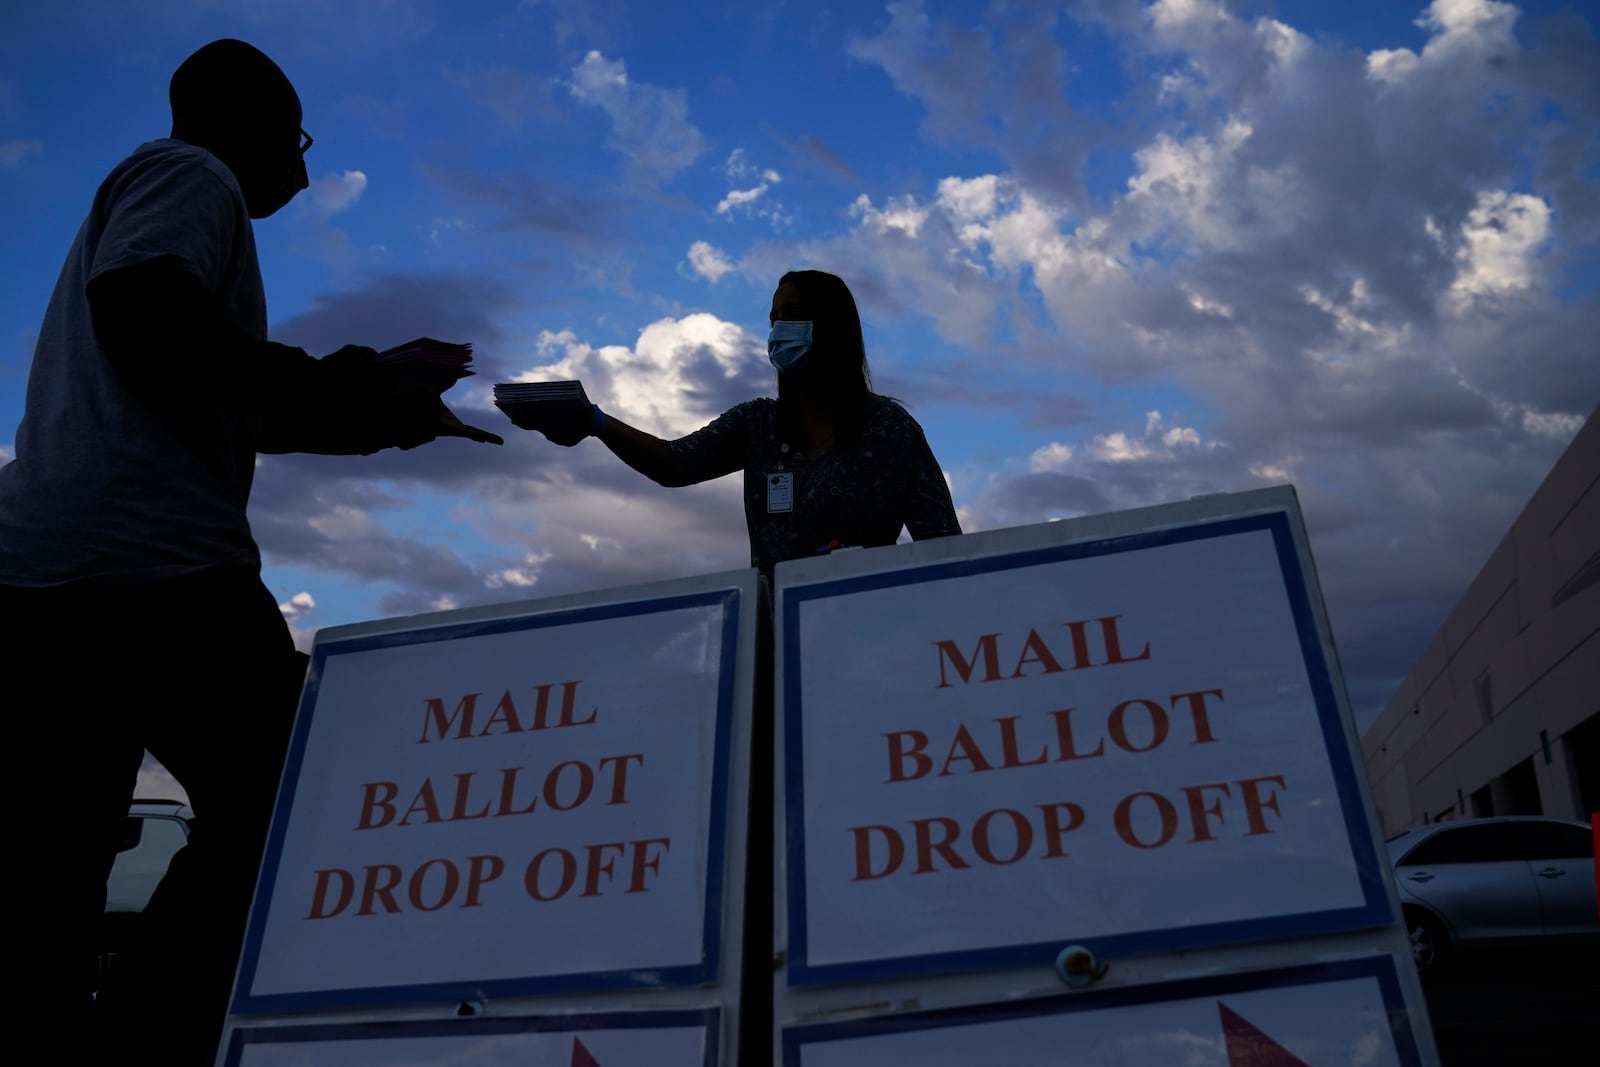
x=161, y=332
x=155, y=323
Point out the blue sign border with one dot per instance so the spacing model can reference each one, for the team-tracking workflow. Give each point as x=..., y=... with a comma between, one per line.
x=1372, y=912
x=704, y=973
x=1378, y=967
x=709, y=1018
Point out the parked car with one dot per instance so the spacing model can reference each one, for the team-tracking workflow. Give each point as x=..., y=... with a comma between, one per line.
x=1520, y=881
x=154, y=832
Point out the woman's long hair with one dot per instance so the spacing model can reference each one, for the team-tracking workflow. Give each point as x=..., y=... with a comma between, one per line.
x=835, y=374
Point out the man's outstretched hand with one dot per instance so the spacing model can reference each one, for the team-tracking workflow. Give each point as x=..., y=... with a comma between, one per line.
x=356, y=406
x=451, y=426
x=399, y=386
x=417, y=420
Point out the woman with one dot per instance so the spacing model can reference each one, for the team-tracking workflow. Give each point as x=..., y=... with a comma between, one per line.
x=829, y=463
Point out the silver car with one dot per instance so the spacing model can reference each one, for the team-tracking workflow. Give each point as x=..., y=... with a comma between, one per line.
x=1499, y=882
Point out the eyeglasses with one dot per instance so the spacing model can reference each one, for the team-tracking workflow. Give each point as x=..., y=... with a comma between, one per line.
x=305, y=142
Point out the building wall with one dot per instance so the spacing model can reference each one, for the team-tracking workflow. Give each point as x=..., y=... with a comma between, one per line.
x=1512, y=676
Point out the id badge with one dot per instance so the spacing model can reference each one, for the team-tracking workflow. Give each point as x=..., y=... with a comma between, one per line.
x=780, y=492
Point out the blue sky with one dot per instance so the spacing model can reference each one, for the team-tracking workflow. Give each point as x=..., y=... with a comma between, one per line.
x=1110, y=253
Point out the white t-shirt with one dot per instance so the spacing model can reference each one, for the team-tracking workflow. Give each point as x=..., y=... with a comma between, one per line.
x=107, y=485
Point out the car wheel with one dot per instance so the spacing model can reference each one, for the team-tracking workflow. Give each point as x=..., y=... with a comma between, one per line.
x=1427, y=941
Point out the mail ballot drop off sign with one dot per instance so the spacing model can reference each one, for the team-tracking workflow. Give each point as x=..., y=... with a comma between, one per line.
x=1133, y=743
x=529, y=806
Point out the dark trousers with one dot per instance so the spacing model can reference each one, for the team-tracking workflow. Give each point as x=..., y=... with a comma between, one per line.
x=202, y=673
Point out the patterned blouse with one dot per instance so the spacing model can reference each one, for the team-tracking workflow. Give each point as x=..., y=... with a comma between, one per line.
x=859, y=494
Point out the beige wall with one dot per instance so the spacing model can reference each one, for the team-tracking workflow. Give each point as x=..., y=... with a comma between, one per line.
x=1433, y=746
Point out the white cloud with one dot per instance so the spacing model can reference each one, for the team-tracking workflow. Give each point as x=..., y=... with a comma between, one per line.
x=970, y=200
x=1274, y=473
x=1557, y=425
x=333, y=193
x=297, y=607
x=1120, y=448
x=678, y=375
x=901, y=215
x=747, y=201
x=1390, y=65
x=1176, y=17
x=708, y=262
x=523, y=576
x=1051, y=457
x=1284, y=43
x=738, y=167
x=740, y=198
x=1459, y=31
x=1187, y=185
x=1499, y=240
x=649, y=124
x=1447, y=17
x=1157, y=441
x=595, y=542
x=7, y=453
x=12, y=153
x=1340, y=264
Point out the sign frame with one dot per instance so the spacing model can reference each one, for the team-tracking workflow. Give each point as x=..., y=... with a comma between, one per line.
x=1408, y=1047
x=714, y=980
x=1055, y=543
x=303, y=1032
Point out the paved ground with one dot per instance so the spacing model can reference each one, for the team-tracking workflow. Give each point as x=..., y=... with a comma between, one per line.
x=1532, y=1010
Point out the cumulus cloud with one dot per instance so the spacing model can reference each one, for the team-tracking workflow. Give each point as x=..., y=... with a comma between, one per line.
x=297, y=607
x=1352, y=270
x=679, y=374
x=542, y=519
x=1051, y=457
x=752, y=200
x=708, y=262
x=1157, y=440
x=1331, y=254
x=333, y=193
x=650, y=125
x=1500, y=238
x=12, y=153
x=741, y=198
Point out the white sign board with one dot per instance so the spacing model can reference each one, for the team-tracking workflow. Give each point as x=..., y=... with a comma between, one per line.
x=1133, y=742
x=1350, y=1012
x=506, y=806
x=619, y=1039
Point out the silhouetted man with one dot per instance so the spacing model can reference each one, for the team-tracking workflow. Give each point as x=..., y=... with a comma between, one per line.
x=127, y=565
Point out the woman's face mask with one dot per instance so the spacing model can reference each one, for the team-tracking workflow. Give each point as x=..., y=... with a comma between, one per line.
x=788, y=344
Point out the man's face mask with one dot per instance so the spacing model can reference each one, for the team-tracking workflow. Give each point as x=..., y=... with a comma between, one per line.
x=788, y=344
